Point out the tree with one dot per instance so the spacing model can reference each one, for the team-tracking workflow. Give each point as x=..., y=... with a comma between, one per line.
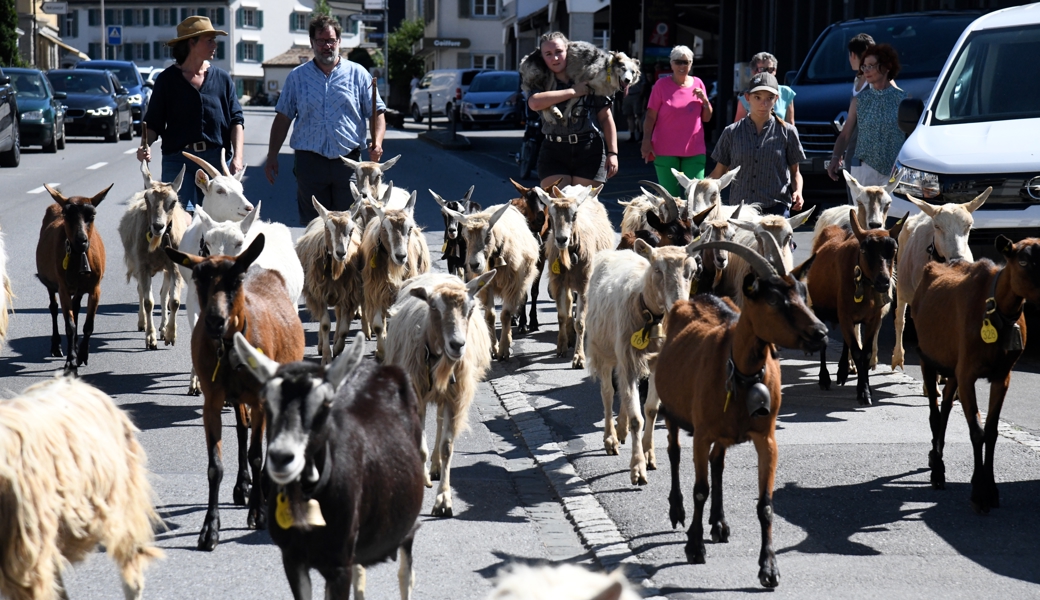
x=321, y=7
x=403, y=63
x=9, y=56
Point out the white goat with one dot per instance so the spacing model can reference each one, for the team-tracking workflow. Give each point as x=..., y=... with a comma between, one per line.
x=230, y=238
x=751, y=233
x=72, y=476
x=702, y=193
x=872, y=204
x=6, y=295
x=393, y=249
x=154, y=218
x=630, y=294
x=499, y=239
x=329, y=253
x=439, y=338
x=365, y=202
x=938, y=232
x=560, y=582
x=369, y=175
x=580, y=229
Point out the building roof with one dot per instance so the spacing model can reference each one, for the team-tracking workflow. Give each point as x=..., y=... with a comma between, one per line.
x=297, y=55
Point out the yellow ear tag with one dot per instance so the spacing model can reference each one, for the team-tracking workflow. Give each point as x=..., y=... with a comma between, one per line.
x=444, y=248
x=372, y=263
x=989, y=332
x=282, y=512
x=556, y=267
x=640, y=340
x=65, y=262
x=186, y=262
x=725, y=406
x=148, y=236
x=857, y=299
x=215, y=369
x=693, y=287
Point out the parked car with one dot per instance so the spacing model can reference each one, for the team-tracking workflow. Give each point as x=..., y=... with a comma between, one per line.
x=97, y=105
x=824, y=81
x=980, y=128
x=10, y=152
x=444, y=88
x=493, y=97
x=130, y=77
x=41, y=110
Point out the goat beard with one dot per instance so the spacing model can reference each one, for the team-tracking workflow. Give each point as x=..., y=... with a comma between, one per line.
x=442, y=373
x=337, y=268
x=153, y=244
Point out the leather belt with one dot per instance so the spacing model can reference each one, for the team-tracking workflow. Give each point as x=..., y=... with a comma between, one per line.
x=573, y=138
x=200, y=146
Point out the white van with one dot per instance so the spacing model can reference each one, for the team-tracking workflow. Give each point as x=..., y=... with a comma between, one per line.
x=980, y=127
x=443, y=89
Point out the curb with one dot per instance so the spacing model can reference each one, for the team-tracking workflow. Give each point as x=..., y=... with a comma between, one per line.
x=595, y=527
x=445, y=140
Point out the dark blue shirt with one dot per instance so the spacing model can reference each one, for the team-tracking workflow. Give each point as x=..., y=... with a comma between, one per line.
x=183, y=115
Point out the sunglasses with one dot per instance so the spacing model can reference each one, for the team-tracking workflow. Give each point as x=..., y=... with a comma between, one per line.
x=868, y=67
x=681, y=62
x=765, y=70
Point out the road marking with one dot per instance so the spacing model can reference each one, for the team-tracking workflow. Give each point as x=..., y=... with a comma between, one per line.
x=42, y=189
x=131, y=151
x=97, y=165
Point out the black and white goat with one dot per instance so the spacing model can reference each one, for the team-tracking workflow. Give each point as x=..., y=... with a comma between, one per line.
x=454, y=249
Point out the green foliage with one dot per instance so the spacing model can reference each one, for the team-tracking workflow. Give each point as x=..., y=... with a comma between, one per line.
x=403, y=63
x=9, y=56
x=361, y=57
x=321, y=7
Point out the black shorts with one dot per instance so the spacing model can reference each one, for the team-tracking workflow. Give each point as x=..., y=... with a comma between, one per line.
x=585, y=159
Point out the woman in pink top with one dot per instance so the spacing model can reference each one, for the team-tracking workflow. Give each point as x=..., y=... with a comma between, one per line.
x=674, y=124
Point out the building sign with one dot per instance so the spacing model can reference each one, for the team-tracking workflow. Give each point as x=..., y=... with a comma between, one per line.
x=375, y=5
x=427, y=45
x=55, y=8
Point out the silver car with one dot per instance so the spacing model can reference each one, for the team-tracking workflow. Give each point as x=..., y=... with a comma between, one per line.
x=493, y=97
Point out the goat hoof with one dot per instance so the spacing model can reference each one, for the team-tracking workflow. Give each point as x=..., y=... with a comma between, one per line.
x=864, y=399
x=427, y=481
x=209, y=537
x=151, y=345
x=71, y=370
x=695, y=553
x=676, y=512
x=57, y=353
x=611, y=446
x=651, y=461
x=435, y=475
x=769, y=574
x=825, y=383
x=256, y=519
x=578, y=362
x=639, y=476
x=442, y=507
x=240, y=493
x=720, y=533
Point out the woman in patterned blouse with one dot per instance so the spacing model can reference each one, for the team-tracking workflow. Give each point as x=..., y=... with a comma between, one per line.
x=876, y=111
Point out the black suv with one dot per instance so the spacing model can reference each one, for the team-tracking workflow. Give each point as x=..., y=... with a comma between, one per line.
x=824, y=82
x=10, y=152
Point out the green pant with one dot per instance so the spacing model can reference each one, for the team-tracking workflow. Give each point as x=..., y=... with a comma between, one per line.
x=691, y=166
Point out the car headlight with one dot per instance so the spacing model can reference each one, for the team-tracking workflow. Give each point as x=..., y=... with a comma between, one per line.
x=134, y=98
x=104, y=111
x=921, y=184
x=511, y=101
x=468, y=106
x=32, y=115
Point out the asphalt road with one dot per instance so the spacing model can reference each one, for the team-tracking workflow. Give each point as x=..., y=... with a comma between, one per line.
x=856, y=517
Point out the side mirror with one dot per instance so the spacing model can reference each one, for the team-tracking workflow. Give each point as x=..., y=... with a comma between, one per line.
x=910, y=111
x=4, y=80
x=60, y=95
x=149, y=84
x=789, y=77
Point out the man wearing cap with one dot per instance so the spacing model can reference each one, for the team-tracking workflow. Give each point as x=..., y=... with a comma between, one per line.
x=767, y=151
x=194, y=108
x=331, y=100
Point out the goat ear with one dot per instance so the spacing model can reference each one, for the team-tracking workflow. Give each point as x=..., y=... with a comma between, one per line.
x=800, y=219
x=978, y=201
x=461, y=218
x=653, y=220
x=178, y=180
x=728, y=178
x=643, y=249
x=322, y=211
x=519, y=188
x=498, y=215
x=250, y=219
x=98, y=197
x=420, y=293
x=1005, y=246
x=350, y=163
x=683, y=180
x=925, y=207
x=473, y=208
x=343, y=365
x=557, y=192
x=857, y=230
x=240, y=174
x=203, y=217
x=553, y=184
x=146, y=174
x=437, y=198
x=893, y=182
x=393, y=161
x=594, y=192
x=742, y=224
x=477, y=284
x=389, y=193
x=854, y=185
x=202, y=180
x=898, y=227
x=750, y=286
x=543, y=197
x=409, y=207
x=802, y=270
x=469, y=194
x=58, y=197
x=260, y=366
x=182, y=258
x=250, y=254
x=355, y=191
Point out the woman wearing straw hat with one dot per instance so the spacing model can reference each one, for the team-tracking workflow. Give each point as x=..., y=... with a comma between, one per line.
x=194, y=108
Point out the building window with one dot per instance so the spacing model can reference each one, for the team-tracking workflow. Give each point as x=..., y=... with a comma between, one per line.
x=485, y=61
x=164, y=17
x=249, y=18
x=250, y=52
x=161, y=51
x=300, y=22
x=485, y=8
x=601, y=39
x=140, y=17
x=70, y=24
x=137, y=51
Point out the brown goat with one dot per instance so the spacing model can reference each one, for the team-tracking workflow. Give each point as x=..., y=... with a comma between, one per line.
x=849, y=285
x=970, y=325
x=674, y=227
x=235, y=298
x=715, y=355
x=70, y=262
x=538, y=223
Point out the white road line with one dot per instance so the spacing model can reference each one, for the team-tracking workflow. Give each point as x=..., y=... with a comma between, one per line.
x=42, y=189
x=97, y=165
x=131, y=151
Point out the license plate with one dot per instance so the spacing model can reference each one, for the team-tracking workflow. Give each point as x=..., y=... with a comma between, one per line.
x=69, y=119
x=827, y=164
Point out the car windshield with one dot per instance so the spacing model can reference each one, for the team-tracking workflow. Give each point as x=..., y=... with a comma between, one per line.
x=992, y=79
x=80, y=83
x=499, y=82
x=29, y=85
x=923, y=44
x=127, y=76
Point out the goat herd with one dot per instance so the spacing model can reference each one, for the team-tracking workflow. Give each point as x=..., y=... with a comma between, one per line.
x=347, y=456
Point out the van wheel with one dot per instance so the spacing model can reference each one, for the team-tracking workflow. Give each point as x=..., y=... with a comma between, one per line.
x=416, y=113
x=61, y=140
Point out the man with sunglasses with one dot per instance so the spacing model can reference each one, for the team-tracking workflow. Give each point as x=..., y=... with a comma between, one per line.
x=331, y=100
x=764, y=62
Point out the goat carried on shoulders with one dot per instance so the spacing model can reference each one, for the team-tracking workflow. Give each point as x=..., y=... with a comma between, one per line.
x=723, y=385
x=970, y=325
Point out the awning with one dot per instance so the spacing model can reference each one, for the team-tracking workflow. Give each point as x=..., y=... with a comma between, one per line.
x=62, y=44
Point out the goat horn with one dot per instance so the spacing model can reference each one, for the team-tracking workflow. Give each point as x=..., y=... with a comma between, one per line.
x=671, y=209
x=498, y=215
x=223, y=163
x=208, y=168
x=773, y=254
x=758, y=263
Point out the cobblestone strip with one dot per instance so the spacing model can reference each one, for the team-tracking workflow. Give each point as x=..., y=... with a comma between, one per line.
x=590, y=519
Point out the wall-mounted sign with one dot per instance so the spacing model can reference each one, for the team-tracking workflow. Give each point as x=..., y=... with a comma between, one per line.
x=55, y=8
x=365, y=18
x=375, y=4
x=426, y=45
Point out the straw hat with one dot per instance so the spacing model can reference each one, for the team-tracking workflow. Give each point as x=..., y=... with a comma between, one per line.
x=193, y=27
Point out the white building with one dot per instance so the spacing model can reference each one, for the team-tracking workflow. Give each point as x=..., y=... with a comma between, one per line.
x=256, y=28
x=460, y=34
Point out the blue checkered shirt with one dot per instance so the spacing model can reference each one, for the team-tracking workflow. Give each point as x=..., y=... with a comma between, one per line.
x=331, y=113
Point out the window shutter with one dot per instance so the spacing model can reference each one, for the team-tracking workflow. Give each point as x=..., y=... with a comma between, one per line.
x=146, y=16
x=240, y=88
x=156, y=16
x=184, y=13
x=92, y=50
x=109, y=16
x=147, y=52
x=260, y=19
x=173, y=17
x=220, y=50
x=203, y=12
x=128, y=16
x=219, y=16
x=464, y=7
x=259, y=53
x=238, y=17
x=292, y=22
x=157, y=50
x=238, y=51
x=75, y=23
x=92, y=17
